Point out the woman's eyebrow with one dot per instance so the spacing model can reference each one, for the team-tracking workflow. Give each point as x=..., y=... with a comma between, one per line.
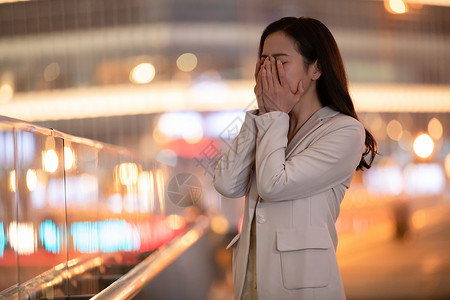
x=274, y=55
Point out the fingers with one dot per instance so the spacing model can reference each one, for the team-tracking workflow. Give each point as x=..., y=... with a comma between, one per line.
x=268, y=66
x=259, y=88
x=281, y=73
x=270, y=74
x=274, y=71
x=300, y=89
x=265, y=75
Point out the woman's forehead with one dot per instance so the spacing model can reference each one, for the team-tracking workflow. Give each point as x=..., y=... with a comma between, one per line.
x=278, y=43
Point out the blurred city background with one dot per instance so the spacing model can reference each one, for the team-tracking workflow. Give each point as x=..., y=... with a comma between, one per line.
x=137, y=100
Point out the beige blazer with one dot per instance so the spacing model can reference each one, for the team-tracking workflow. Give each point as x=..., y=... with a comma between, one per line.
x=300, y=186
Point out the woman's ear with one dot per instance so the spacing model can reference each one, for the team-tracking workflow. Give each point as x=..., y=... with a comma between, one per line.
x=316, y=70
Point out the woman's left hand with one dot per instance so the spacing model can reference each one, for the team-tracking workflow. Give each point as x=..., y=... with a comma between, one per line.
x=276, y=92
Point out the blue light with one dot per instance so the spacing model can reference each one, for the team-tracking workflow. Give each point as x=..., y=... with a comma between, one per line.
x=106, y=236
x=117, y=235
x=2, y=240
x=50, y=236
x=84, y=237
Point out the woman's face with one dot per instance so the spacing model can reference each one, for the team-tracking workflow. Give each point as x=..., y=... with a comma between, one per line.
x=283, y=48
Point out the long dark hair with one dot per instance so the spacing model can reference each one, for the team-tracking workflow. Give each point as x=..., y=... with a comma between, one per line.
x=316, y=43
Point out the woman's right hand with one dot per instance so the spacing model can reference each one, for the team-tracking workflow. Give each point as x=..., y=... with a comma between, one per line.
x=258, y=87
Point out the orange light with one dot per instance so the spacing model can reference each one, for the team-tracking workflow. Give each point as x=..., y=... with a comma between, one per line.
x=128, y=173
x=395, y=6
x=435, y=128
x=447, y=165
x=176, y=222
x=219, y=224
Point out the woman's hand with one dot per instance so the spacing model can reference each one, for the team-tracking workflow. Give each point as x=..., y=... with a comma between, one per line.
x=276, y=93
x=258, y=87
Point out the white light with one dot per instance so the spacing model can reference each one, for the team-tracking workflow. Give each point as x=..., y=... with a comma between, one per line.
x=6, y=93
x=130, y=202
x=171, y=96
x=224, y=124
x=115, y=203
x=31, y=180
x=187, y=125
x=384, y=179
x=423, y=145
x=143, y=73
x=68, y=158
x=207, y=92
x=423, y=179
x=12, y=180
x=187, y=62
x=21, y=237
x=50, y=161
x=6, y=87
x=146, y=191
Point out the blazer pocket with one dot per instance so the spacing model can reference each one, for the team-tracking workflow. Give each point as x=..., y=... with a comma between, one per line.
x=233, y=241
x=305, y=257
x=234, y=244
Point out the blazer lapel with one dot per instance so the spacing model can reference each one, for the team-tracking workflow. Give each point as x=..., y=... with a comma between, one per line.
x=314, y=122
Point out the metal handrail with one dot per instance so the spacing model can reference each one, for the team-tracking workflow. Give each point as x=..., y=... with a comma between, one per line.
x=53, y=277
x=132, y=283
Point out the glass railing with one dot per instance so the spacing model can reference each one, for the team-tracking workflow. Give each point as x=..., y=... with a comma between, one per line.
x=76, y=214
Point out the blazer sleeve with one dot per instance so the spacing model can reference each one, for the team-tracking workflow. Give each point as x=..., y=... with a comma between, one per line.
x=327, y=162
x=233, y=171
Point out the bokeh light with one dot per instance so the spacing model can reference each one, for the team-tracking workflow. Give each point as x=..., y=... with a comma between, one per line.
x=394, y=130
x=423, y=145
x=191, y=130
x=187, y=62
x=395, y=6
x=69, y=158
x=51, y=72
x=12, y=180
x=31, y=180
x=435, y=129
x=142, y=73
x=175, y=222
x=22, y=238
x=447, y=165
x=378, y=127
x=219, y=224
x=6, y=93
x=6, y=87
x=50, y=161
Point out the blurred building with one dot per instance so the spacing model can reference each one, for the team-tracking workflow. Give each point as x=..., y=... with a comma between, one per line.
x=171, y=80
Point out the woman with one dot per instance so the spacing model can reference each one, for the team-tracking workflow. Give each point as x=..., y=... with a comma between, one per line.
x=293, y=160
